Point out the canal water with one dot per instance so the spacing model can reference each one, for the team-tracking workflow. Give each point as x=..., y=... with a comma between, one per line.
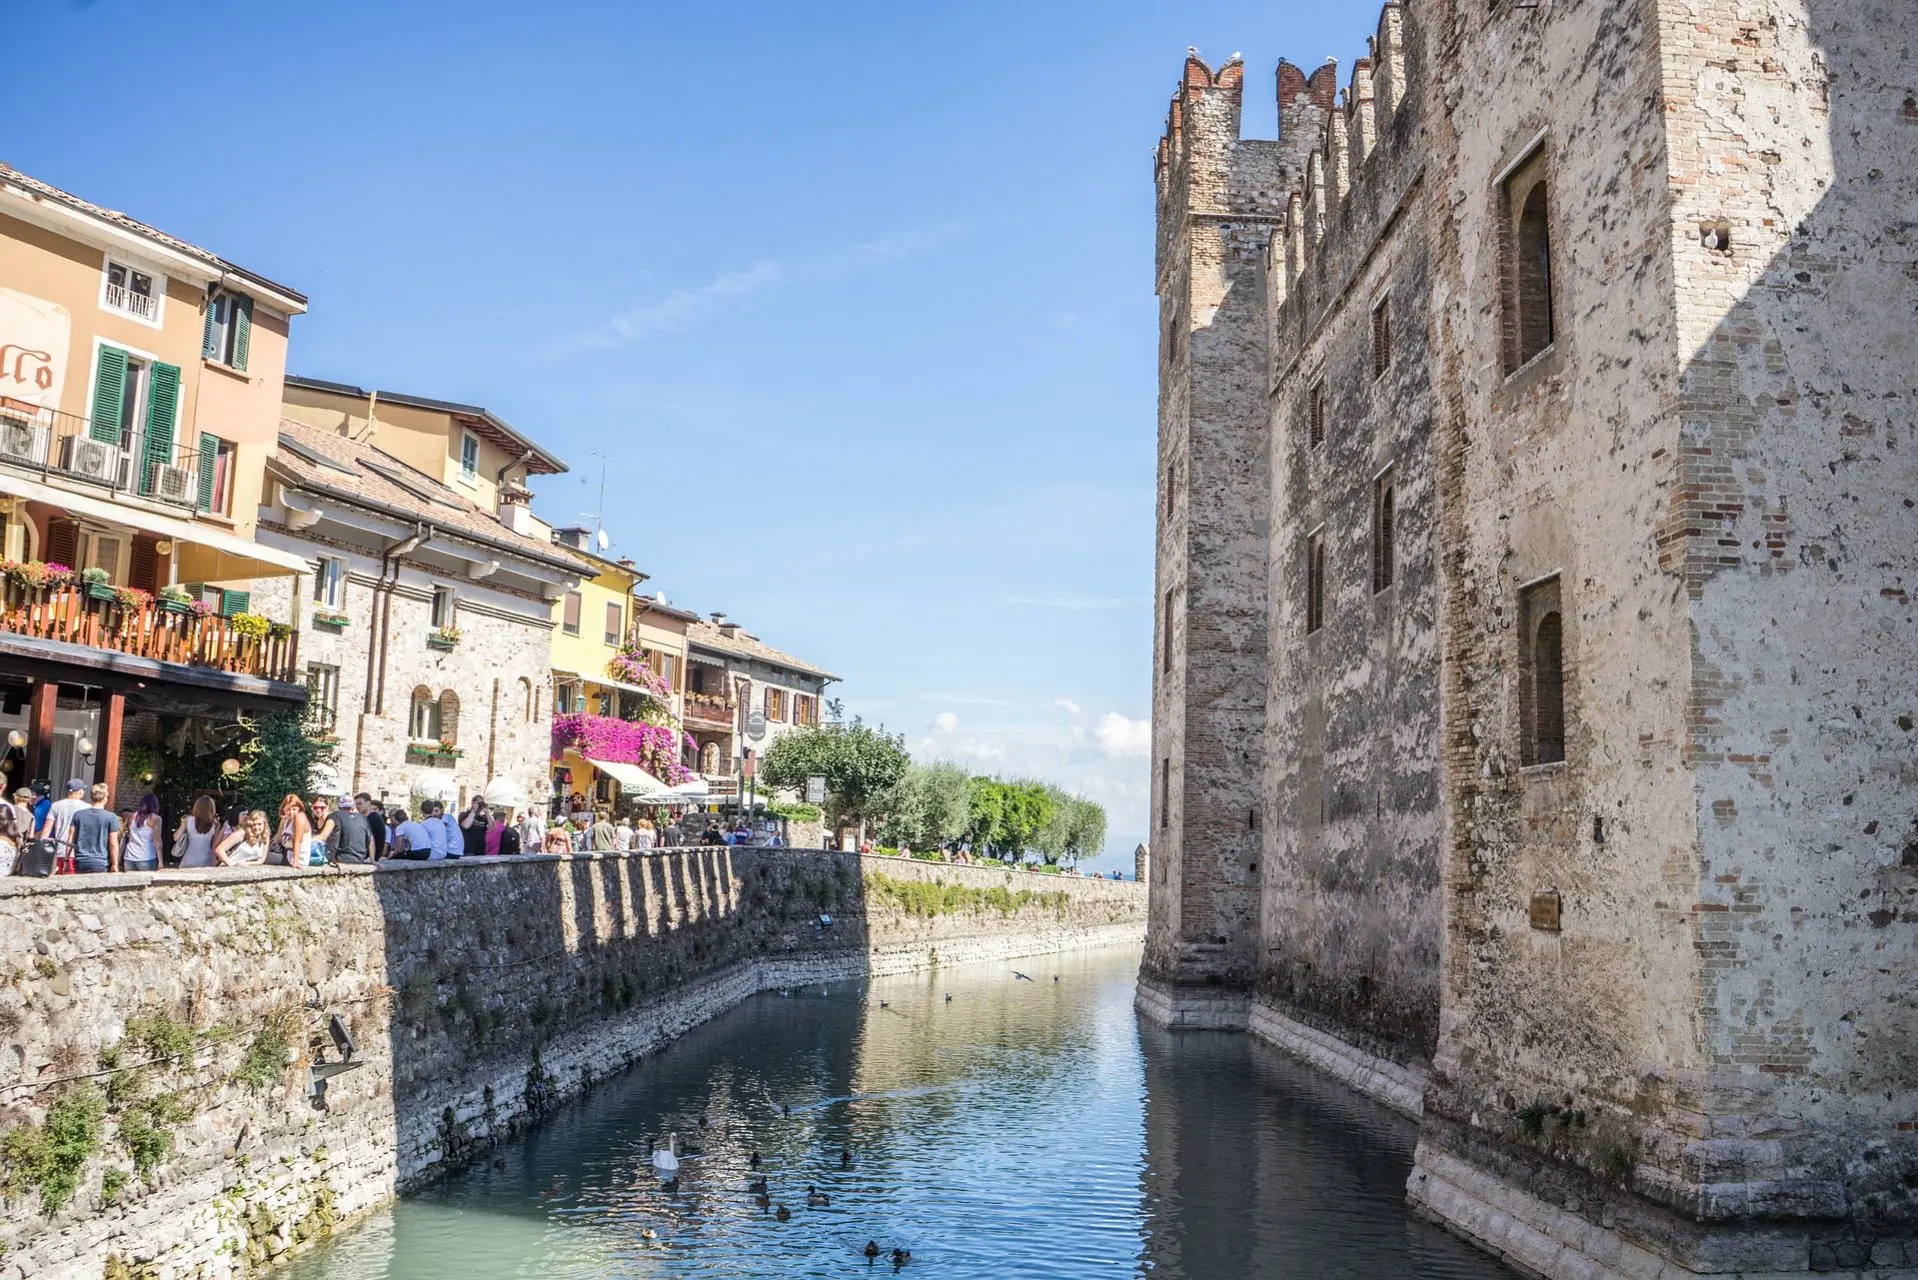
x=1018, y=1128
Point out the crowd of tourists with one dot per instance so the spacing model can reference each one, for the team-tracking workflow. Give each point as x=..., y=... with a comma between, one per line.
x=81, y=833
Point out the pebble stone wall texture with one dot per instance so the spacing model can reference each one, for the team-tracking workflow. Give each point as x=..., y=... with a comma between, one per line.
x=1707, y=1064
x=499, y=674
x=480, y=994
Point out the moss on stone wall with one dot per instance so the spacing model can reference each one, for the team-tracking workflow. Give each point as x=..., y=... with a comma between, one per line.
x=927, y=899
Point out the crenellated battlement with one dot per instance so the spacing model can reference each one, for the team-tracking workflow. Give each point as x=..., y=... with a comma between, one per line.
x=1343, y=194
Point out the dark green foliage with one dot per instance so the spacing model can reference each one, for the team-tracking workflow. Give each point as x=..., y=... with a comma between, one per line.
x=858, y=762
x=50, y=1157
x=279, y=760
x=266, y=1060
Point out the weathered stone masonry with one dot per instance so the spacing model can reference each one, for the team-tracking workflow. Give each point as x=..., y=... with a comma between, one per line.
x=1596, y=827
x=479, y=993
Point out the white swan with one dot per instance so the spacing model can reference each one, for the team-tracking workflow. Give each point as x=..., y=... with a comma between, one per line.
x=666, y=1162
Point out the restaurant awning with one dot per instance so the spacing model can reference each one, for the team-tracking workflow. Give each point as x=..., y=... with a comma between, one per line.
x=604, y=682
x=635, y=781
x=209, y=554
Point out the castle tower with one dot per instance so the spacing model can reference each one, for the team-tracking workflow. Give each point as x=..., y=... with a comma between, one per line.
x=1219, y=198
x=1679, y=1027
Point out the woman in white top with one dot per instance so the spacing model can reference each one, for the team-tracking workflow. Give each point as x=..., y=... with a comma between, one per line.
x=141, y=850
x=194, y=839
x=9, y=840
x=247, y=846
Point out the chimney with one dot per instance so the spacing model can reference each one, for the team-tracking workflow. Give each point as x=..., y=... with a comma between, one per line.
x=579, y=539
x=719, y=619
x=514, y=511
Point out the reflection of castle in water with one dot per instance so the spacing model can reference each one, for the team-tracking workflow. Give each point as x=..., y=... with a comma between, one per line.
x=1257, y=1166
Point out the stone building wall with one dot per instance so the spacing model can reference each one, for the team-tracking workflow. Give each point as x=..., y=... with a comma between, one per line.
x=500, y=675
x=1350, y=894
x=479, y=994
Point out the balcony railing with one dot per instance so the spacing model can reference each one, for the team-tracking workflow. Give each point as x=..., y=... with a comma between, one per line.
x=711, y=708
x=121, y=298
x=144, y=627
x=122, y=461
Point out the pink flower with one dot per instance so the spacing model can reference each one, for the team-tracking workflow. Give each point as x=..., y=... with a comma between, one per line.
x=653, y=747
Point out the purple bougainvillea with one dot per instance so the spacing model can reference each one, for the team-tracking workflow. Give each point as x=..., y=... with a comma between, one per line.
x=653, y=747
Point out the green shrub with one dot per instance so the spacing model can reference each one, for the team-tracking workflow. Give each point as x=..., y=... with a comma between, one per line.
x=266, y=1060
x=51, y=1156
x=159, y=1035
x=929, y=898
x=112, y=1183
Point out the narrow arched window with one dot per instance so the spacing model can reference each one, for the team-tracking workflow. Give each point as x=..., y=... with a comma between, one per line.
x=526, y=698
x=1384, y=537
x=1528, y=322
x=709, y=759
x=1541, y=669
x=424, y=723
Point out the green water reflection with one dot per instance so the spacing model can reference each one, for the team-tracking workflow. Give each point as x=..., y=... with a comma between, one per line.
x=1017, y=1129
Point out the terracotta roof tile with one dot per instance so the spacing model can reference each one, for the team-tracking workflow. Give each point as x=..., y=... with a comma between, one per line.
x=327, y=462
x=744, y=645
x=47, y=191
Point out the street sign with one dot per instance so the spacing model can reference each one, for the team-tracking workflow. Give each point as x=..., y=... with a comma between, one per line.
x=756, y=725
x=816, y=789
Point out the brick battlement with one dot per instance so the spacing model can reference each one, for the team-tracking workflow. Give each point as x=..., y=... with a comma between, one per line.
x=1347, y=193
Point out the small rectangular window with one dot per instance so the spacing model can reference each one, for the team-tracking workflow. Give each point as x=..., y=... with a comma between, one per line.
x=1384, y=520
x=329, y=582
x=1314, y=583
x=1165, y=792
x=615, y=623
x=444, y=606
x=1525, y=250
x=323, y=696
x=135, y=292
x=1381, y=337
x=1165, y=648
x=469, y=458
x=229, y=329
x=1315, y=415
x=569, y=616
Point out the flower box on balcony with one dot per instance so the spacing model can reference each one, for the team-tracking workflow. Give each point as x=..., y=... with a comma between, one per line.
x=331, y=621
x=445, y=639
x=99, y=590
x=174, y=606
x=432, y=752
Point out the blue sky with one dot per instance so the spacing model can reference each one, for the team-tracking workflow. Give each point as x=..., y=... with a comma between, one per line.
x=853, y=300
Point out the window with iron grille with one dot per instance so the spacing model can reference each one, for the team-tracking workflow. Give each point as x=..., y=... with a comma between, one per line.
x=1315, y=415
x=323, y=696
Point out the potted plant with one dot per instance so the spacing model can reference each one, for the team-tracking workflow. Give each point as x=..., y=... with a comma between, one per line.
x=97, y=582
x=444, y=638
x=175, y=598
x=132, y=597
x=251, y=625
x=330, y=620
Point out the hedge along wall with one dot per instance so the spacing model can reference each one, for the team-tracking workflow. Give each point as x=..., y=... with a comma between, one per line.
x=159, y=1030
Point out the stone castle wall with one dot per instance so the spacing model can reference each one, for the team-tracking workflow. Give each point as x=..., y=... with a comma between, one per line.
x=1653, y=1000
x=1350, y=920
x=479, y=994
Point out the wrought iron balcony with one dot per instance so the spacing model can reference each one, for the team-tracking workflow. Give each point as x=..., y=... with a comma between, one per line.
x=67, y=446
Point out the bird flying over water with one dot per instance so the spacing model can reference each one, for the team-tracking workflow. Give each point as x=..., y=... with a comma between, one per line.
x=1022, y=977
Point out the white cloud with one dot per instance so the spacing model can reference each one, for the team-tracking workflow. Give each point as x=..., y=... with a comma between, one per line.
x=1068, y=704
x=945, y=722
x=1120, y=736
x=690, y=308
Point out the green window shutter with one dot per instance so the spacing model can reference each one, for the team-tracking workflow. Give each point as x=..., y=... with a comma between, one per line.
x=210, y=330
x=242, y=329
x=109, y=389
x=232, y=602
x=163, y=405
x=209, y=451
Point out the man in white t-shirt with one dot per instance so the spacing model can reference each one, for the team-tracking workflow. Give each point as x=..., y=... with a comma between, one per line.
x=60, y=816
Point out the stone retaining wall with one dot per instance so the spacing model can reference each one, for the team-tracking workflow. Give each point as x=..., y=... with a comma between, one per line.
x=192, y=1007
